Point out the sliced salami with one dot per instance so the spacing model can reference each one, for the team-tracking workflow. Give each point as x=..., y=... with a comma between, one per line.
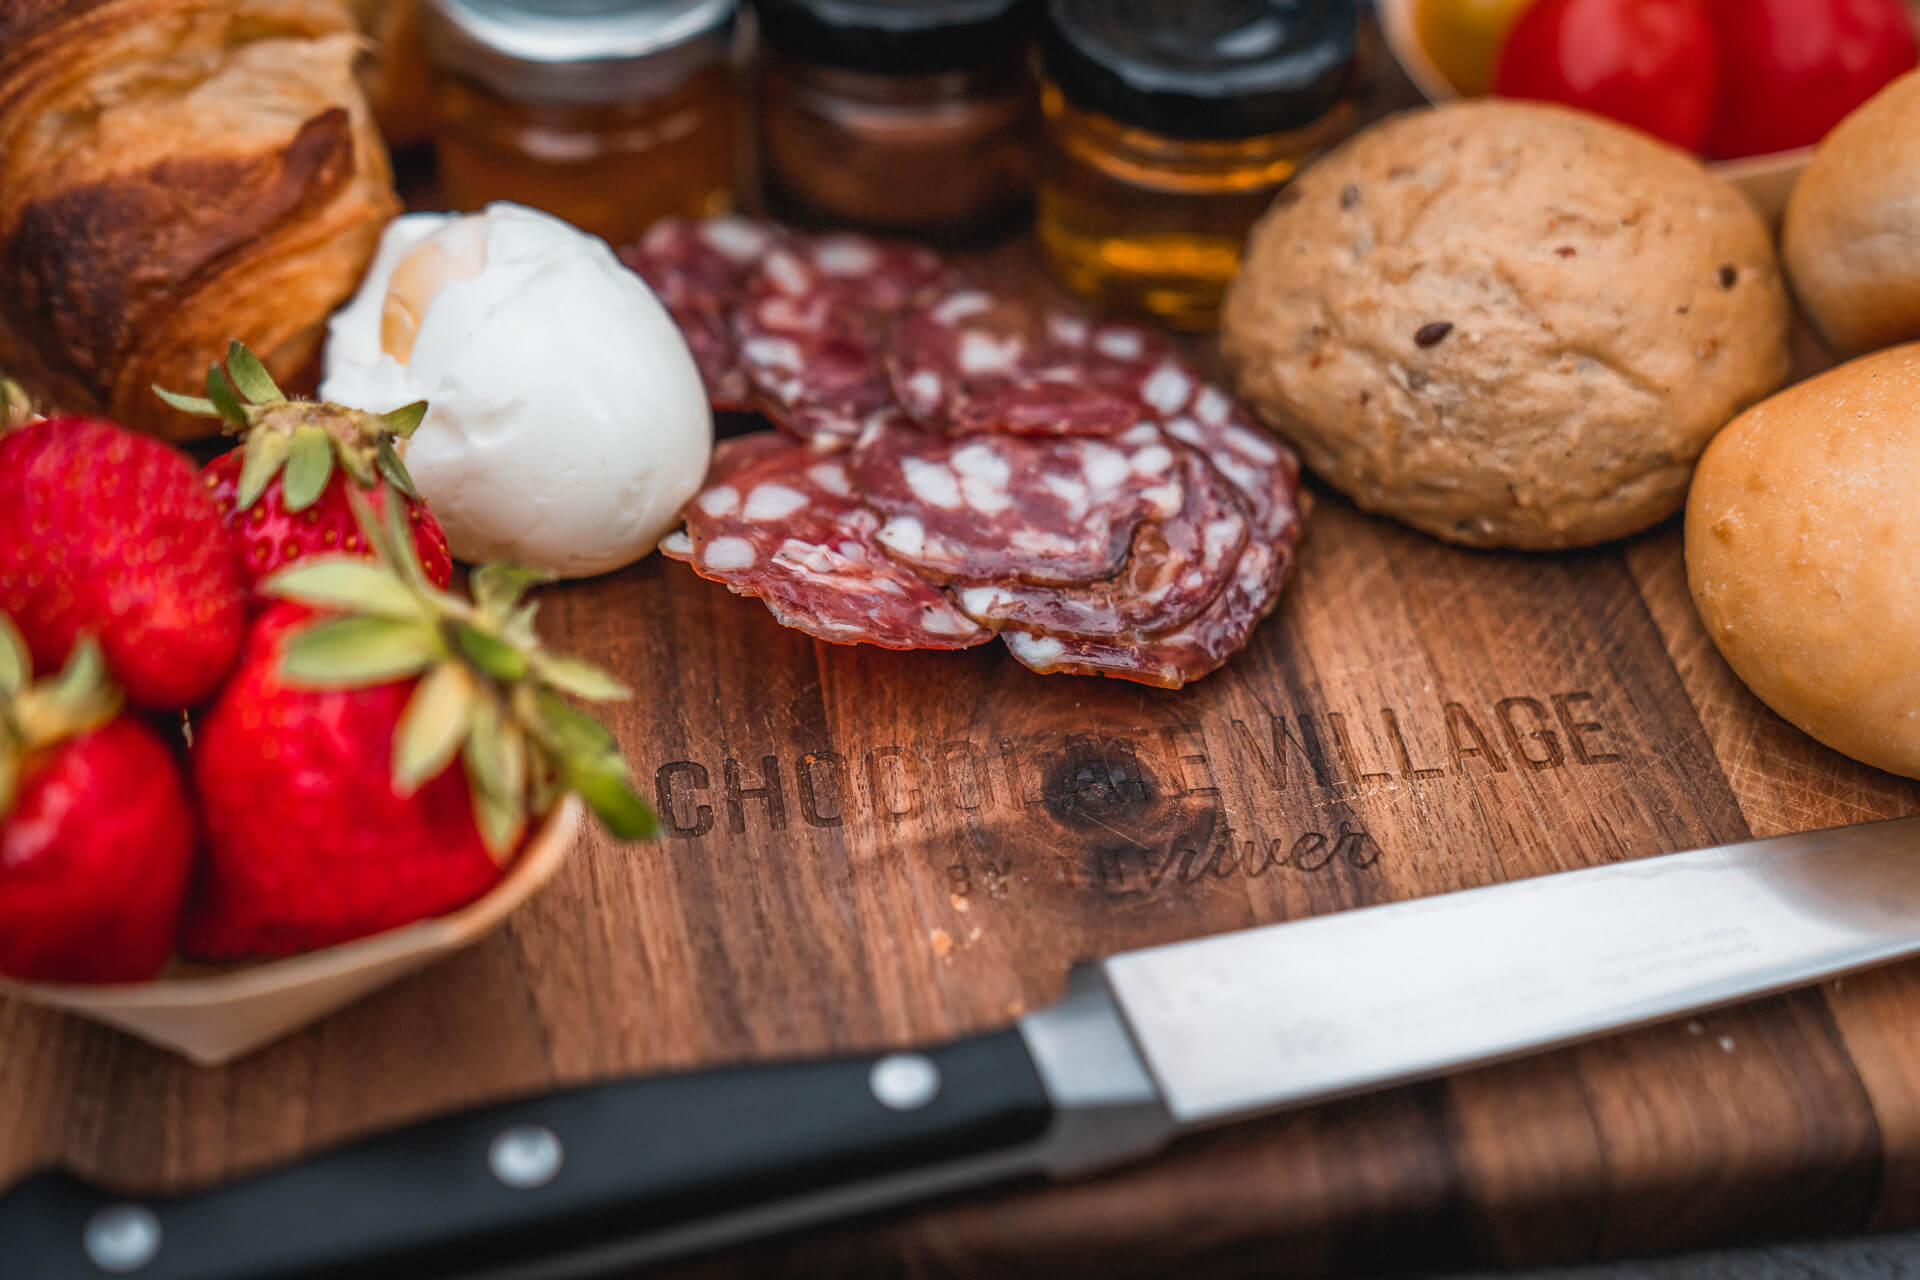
x=699, y=270
x=972, y=360
x=781, y=523
x=1174, y=570
x=1005, y=508
x=1186, y=654
x=1268, y=478
x=1200, y=414
x=812, y=329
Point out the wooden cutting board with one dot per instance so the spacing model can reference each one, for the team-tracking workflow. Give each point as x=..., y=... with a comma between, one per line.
x=873, y=849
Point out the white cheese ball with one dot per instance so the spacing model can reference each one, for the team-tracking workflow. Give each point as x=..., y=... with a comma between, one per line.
x=568, y=423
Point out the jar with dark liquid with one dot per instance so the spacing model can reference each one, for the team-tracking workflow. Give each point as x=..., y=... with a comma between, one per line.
x=608, y=113
x=1169, y=128
x=908, y=116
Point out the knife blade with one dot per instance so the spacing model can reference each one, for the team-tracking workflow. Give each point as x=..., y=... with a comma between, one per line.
x=1145, y=1045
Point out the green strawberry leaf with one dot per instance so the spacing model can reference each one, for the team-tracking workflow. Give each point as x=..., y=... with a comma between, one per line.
x=349, y=652
x=387, y=460
x=602, y=782
x=490, y=653
x=266, y=451
x=195, y=405
x=404, y=421
x=545, y=786
x=437, y=720
x=502, y=821
x=78, y=699
x=221, y=395
x=357, y=467
x=309, y=467
x=582, y=679
x=497, y=588
x=342, y=583
x=496, y=756
x=250, y=376
x=519, y=627
x=572, y=732
x=16, y=667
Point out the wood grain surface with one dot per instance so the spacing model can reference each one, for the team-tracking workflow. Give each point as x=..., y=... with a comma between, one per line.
x=873, y=849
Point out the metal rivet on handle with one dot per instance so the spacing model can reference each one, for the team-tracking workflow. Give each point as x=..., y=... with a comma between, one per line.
x=525, y=1156
x=904, y=1081
x=122, y=1238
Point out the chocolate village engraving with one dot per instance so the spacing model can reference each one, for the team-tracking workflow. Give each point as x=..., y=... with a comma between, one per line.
x=1296, y=762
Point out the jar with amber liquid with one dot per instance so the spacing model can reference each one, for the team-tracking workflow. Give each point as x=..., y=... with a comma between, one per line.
x=916, y=117
x=608, y=113
x=1169, y=129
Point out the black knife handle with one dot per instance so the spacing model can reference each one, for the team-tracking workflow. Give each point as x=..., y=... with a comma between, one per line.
x=667, y=1158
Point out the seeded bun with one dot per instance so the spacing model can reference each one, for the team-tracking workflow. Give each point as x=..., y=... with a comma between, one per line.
x=1851, y=238
x=1803, y=553
x=1507, y=324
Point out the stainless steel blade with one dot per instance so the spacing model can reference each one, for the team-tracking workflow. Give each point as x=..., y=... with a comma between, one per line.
x=1340, y=1004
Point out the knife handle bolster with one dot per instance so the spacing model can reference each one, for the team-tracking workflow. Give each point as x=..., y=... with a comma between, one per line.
x=610, y=1174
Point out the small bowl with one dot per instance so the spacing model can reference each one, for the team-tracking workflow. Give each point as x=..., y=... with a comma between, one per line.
x=215, y=1015
x=1766, y=181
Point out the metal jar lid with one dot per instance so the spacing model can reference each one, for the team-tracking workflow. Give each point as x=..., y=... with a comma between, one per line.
x=906, y=37
x=1204, y=69
x=577, y=52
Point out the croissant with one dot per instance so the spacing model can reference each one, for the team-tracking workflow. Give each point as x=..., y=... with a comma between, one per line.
x=175, y=174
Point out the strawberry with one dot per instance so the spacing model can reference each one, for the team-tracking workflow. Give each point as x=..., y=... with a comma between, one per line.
x=377, y=756
x=97, y=832
x=110, y=533
x=280, y=490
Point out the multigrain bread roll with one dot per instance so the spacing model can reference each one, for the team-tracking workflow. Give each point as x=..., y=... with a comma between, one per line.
x=175, y=174
x=1851, y=239
x=1507, y=324
x=1803, y=553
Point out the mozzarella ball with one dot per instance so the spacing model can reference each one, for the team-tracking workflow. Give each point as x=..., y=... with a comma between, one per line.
x=568, y=424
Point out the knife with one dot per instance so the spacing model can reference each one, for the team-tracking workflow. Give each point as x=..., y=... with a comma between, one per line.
x=1145, y=1045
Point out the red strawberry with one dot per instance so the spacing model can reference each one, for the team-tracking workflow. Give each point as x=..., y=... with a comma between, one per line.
x=110, y=533
x=281, y=492
x=97, y=833
x=364, y=771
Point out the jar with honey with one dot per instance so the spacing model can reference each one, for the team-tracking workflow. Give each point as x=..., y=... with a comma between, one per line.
x=608, y=113
x=910, y=116
x=1169, y=128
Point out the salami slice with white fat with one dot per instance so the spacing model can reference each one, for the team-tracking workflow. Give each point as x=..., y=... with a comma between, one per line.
x=1268, y=478
x=812, y=331
x=779, y=522
x=1173, y=571
x=1004, y=508
x=973, y=359
x=1199, y=414
x=698, y=270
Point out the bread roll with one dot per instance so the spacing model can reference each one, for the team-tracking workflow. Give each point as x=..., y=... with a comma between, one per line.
x=175, y=174
x=1507, y=324
x=1803, y=553
x=1852, y=233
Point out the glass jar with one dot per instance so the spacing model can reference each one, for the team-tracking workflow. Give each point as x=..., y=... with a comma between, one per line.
x=1168, y=133
x=908, y=117
x=611, y=114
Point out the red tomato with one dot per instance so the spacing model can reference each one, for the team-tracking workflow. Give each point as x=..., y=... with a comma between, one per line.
x=1646, y=63
x=1792, y=69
